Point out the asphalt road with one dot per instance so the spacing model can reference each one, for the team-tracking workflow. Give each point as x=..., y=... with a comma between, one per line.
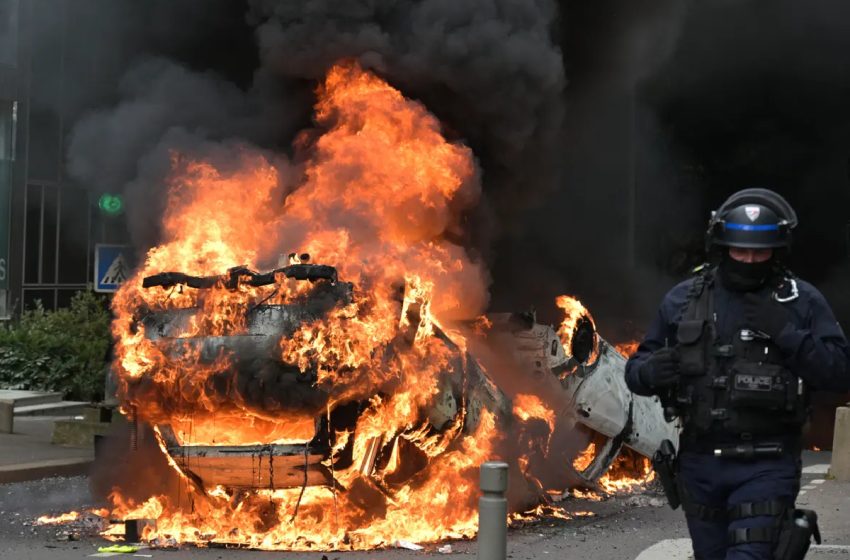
x=625, y=527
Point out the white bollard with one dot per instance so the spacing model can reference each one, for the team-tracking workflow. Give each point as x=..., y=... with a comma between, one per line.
x=840, y=467
x=7, y=417
x=493, y=512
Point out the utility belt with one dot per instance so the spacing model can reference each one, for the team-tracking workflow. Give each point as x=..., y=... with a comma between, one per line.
x=744, y=447
x=791, y=534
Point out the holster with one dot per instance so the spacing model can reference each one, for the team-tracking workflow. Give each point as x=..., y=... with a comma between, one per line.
x=664, y=463
x=796, y=531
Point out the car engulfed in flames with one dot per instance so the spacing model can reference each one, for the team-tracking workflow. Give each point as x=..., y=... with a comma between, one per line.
x=348, y=405
x=316, y=439
x=592, y=407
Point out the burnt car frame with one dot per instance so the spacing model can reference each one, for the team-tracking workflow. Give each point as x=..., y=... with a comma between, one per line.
x=592, y=402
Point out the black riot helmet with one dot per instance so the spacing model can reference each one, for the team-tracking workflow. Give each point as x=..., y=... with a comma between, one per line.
x=752, y=219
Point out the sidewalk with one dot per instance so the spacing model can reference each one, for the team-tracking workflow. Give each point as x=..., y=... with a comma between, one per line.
x=27, y=454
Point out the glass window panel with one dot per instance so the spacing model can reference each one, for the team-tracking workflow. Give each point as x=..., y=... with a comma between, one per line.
x=73, y=236
x=32, y=235
x=46, y=296
x=44, y=141
x=63, y=297
x=46, y=64
x=9, y=32
x=8, y=118
x=45, y=90
x=48, y=235
x=7, y=154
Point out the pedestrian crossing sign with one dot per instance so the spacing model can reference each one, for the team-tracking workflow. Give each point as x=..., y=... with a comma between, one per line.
x=111, y=266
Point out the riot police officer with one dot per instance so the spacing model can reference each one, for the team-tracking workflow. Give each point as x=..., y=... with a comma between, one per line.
x=732, y=353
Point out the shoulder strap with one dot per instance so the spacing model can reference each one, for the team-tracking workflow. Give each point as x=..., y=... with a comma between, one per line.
x=700, y=301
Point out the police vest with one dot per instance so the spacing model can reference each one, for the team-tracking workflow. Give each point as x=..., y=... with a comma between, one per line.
x=740, y=389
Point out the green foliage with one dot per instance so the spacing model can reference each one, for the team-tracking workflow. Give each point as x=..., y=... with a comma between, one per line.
x=61, y=350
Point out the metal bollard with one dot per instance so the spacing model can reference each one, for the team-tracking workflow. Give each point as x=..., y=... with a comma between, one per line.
x=7, y=417
x=840, y=467
x=493, y=512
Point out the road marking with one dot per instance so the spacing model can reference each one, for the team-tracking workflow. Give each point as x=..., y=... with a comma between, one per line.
x=681, y=549
x=816, y=469
x=669, y=549
x=809, y=487
x=818, y=481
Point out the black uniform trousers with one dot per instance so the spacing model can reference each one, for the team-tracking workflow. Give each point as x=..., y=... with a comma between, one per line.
x=723, y=483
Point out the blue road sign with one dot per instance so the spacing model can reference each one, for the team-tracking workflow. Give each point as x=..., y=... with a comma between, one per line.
x=111, y=266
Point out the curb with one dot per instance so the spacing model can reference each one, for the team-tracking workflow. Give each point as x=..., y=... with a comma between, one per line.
x=44, y=469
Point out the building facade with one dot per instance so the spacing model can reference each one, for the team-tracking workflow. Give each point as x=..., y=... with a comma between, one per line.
x=48, y=224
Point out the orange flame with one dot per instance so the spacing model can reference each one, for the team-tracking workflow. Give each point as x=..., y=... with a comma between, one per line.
x=61, y=518
x=629, y=472
x=584, y=459
x=574, y=313
x=527, y=407
x=628, y=348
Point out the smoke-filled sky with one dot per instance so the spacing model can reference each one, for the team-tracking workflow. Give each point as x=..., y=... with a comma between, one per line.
x=570, y=107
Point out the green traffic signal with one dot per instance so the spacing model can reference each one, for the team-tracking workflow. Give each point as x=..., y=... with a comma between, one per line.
x=112, y=204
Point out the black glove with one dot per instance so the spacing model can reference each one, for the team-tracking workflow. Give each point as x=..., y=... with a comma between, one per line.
x=661, y=369
x=765, y=314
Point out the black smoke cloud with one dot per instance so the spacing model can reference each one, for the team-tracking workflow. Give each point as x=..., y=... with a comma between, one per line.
x=715, y=96
x=577, y=241
x=157, y=96
x=490, y=70
x=756, y=95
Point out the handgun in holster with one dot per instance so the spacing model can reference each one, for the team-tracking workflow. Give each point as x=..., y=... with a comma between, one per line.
x=796, y=531
x=664, y=463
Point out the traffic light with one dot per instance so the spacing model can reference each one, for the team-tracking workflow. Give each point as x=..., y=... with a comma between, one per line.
x=111, y=204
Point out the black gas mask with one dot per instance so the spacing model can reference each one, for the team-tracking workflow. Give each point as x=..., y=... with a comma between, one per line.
x=745, y=276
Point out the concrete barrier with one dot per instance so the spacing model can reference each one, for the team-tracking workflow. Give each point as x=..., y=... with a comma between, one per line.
x=7, y=417
x=493, y=512
x=840, y=467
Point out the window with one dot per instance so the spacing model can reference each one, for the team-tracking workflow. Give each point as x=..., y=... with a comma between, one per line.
x=9, y=32
x=46, y=89
x=46, y=297
x=8, y=122
x=73, y=240
x=56, y=243
x=32, y=235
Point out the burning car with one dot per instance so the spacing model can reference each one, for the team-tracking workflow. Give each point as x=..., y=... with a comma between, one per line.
x=321, y=443
x=593, y=405
x=348, y=405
